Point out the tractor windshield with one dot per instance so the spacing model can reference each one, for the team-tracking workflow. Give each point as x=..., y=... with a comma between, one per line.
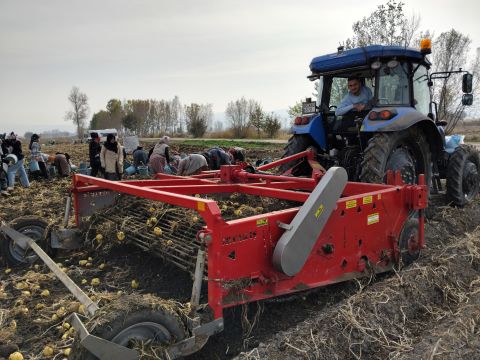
x=392, y=86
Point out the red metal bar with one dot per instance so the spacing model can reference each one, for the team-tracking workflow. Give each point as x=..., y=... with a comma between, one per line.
x=285, y=160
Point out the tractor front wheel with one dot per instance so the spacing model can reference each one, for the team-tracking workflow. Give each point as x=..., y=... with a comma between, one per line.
x=296, y=144
x=463, y=179
x=406, y=151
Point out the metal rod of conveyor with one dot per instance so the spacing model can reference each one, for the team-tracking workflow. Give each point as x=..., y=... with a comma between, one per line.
x=24, y=241
x=68, y=206
x=197, y=282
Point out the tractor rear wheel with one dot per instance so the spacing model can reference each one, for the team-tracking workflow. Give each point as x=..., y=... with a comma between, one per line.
x=406, y=151
x=463, y=179
x=137, y=327
x=31, y=226
x=296, y=144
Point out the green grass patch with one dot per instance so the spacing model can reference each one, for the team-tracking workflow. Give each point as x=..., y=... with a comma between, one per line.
x=225, y=143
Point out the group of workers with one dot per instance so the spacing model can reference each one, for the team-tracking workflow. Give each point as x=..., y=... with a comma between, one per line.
x=109, y=158
x=13, y=162
x=106, y=159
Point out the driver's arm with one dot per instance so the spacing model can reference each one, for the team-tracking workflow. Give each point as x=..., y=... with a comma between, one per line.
x=345, y=106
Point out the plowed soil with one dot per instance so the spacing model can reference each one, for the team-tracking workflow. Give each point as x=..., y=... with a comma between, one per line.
x=428, y=310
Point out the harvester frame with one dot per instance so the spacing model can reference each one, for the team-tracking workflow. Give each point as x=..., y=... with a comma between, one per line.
x=343, y=230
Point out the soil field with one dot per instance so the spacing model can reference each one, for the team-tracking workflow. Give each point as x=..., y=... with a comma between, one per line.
x=429, y=310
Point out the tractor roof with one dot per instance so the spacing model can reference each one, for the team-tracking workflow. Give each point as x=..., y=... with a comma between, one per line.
x=362, y=56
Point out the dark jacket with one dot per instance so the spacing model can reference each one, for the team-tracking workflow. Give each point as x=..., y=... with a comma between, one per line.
x=94, y=149
x=16, y=148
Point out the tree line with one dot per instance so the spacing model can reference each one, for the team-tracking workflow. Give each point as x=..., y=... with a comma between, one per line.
x=152, y=117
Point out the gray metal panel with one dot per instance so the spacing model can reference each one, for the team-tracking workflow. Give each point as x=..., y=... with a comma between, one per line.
x=296, y=243
x=92, y=201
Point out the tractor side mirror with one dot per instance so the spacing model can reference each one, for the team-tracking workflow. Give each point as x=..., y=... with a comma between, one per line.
x=467, y=83
x=467, y=99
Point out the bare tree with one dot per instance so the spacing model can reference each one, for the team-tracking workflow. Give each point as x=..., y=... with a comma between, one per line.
x=387, y=25
x=238, y=114
x=450, y=53
x=256, y=115
x=79, y=113
x=198, y=117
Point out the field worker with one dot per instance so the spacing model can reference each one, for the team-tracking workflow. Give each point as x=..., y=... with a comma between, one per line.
x=37, y=164
x=12, y=145
x=359, y=98
x=111, y=158
x=216, y=157
x=94, y=149
x=238, y=154
x=140, y=156
x=160, y=156
x=3, y=169
x=192, y=165
x=61, y=162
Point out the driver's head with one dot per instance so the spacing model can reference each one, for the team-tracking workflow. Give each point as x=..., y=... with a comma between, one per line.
x=354, y=85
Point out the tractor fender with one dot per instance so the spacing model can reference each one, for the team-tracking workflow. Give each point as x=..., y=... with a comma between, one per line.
x=406, y=118
x=315, y=129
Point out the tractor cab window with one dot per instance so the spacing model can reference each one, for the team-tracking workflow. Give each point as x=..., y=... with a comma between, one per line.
x=393, y=85
x=421, y=92
x=339, y=90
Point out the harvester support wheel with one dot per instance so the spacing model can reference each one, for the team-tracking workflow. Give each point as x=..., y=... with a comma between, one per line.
x=405, y=150
x=296, y=144
x=33, y=227
x=408, y=243
x=463, y=178
x=135, y=328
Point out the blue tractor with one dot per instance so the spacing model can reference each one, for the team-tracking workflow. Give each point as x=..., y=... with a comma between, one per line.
x=397, y=129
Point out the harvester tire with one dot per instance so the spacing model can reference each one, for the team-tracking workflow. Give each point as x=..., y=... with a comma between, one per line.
x=144, y=324
x=31, y=226
x=296, y=144
x=405, y=150
x=408, y=243
x=463, y=178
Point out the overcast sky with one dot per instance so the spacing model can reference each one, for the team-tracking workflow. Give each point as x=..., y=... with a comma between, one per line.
x=210, y=51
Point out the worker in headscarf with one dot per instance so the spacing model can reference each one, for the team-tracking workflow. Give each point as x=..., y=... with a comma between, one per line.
x=237, y=154
x=216, y=157
x=94, y=149
x=12, y=145
x=37, y=164
x=192, y=165
x=160, y=156
x=111, y=158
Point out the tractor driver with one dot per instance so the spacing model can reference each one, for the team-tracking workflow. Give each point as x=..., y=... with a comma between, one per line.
x=359, y=98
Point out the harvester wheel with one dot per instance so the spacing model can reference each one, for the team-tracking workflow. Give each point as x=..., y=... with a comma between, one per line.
x=137, y=328
x=31, y=226
x=408, y=243
x=296, y=144
x=405, y=150
x=463, y=179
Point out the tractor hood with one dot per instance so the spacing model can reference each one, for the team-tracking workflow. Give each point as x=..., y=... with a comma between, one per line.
x=360, y=57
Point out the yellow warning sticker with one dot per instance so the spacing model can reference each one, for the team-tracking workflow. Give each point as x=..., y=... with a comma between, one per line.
x=351, y=204
x=373, y=218
x=367, y=199
x=319, y=211
x=379, y=196
x=200, y=206
x=262, y=222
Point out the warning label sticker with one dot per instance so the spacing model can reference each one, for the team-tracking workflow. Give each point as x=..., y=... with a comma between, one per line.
x=373, y=218
x=262, y=222
x=367, y=200
x=319, y=211
x=351, y=204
